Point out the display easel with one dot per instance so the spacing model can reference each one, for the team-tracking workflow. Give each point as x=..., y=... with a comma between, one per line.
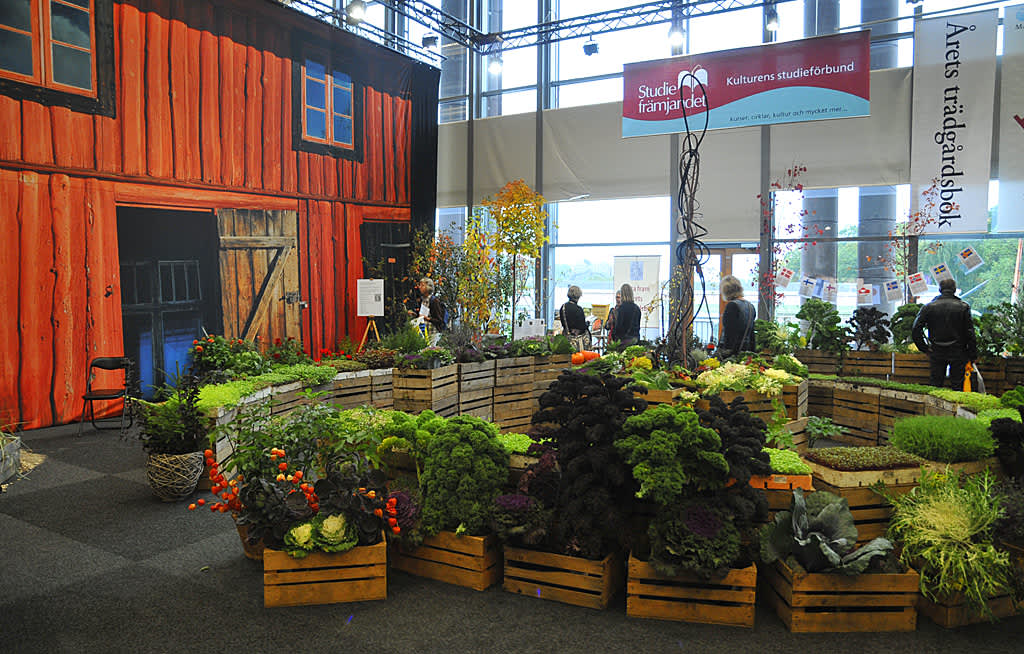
x=371, y=323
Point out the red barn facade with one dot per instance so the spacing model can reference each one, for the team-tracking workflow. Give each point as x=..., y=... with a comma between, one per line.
x=167, y=167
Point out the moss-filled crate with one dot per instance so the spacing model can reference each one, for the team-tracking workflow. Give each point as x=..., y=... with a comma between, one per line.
x=514, y=399
x=357, y=575
x=566, y=579
x=470, y=561
x=867, y=364
x=382, y=389
x=436, y=389
x=893, y=405
x=855, y=409
x=476, y=389
x=689, y=598
x=829, y=602
x=954, y=612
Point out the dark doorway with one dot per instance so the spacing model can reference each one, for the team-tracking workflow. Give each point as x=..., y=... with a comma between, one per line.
x=386, y=252
x=170, y=288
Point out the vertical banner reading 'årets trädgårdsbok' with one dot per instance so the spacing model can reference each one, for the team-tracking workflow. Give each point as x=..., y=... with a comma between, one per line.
x=954, y=88
x=811, y=79
x=1010, y=216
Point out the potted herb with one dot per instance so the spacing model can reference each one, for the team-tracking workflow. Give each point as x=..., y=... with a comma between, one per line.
x=172, y=434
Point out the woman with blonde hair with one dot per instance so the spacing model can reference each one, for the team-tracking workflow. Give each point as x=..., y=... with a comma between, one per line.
x=737, y=319
x=574, y=321
x=626, y=329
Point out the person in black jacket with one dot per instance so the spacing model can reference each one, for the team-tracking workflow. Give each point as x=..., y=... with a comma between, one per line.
x=574, y=321
x=951, y=342
x=429, y=306
x=626, y=329
x=737, y=319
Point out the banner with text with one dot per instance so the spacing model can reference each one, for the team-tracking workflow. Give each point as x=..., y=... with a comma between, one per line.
x=1010, y=216
x=954, y=88
x=642, y=273
x=811, y=79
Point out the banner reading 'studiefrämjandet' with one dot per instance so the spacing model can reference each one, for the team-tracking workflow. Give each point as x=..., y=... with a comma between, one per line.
x=812, y=79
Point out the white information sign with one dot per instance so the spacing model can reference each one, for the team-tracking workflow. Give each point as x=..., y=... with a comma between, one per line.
x=918, y=286
x=941, y=271
x=369, y=297
x=863, y=292
x=971, y=259
x=951, y=138
x=642, y=273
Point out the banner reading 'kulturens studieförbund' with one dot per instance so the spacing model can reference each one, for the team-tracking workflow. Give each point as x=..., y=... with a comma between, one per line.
x=812, y=79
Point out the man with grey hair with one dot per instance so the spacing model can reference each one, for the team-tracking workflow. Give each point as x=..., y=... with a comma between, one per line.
x=737, y=319
x=951, y=342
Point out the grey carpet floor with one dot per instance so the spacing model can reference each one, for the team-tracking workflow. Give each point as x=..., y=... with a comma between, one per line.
x=91, y=561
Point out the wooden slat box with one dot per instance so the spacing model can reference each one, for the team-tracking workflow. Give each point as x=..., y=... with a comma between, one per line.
x=382, y=394
x=470, y=561
x=795, y=397
x=515, y=401
x=436, y=389
x=867, y=364
x=357, y=575
x=820, y=363
x=819, y=398
x=855, y=409
x=476, y=389
x=798, y=428
x=688, y=598
x=561, y=578
x=952, y=612
x=547, y=369
x=1014, y=372
x=834, y=603
x=351, y=389
x=910, y=368
x=871, y=512
x=893, y=405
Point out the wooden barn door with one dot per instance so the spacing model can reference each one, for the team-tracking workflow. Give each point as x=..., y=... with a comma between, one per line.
x=259, y=274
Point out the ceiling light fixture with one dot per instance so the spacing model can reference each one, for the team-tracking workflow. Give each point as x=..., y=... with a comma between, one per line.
x=494, y=66
x=771, y=18
x=356, y=11
x=676, y=36
x=429, y=41
x=590, y=47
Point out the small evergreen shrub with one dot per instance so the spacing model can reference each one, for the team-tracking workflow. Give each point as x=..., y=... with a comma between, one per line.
x=947, y=439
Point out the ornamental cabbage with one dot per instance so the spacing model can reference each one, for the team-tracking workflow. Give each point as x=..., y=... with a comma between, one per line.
x=335, y=534
x=298, y=541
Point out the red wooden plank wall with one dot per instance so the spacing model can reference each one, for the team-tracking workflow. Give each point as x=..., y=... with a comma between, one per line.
x=61, y=293
x=204, y=95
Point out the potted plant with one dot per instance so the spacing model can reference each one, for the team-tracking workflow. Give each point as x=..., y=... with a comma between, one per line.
x=10, y=455
x=817, y=576
x=824, y=331
x=945, y=530
x=869, y=328
x=172, y=434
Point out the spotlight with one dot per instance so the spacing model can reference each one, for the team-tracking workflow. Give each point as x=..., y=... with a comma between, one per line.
x=494, y=67
x=590, y=47
x=356, y=11
x=771, y=18
x=676, y=37
x=429, y=41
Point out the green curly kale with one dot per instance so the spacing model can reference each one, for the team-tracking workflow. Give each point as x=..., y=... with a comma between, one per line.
x=464, y=468
x=672, y=454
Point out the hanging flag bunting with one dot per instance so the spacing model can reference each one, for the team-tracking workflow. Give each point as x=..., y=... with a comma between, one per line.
x=807, y=285
x=971, y=259
x=918, y=286
x=893, y=290
x=783, y=277
x=941, y=271
x=830, y=291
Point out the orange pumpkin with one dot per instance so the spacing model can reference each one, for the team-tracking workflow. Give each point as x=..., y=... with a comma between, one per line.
x=589, y=355
x=577, y=358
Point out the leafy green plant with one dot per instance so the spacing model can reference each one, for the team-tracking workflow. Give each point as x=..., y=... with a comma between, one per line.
x=515, y=443
x=945, y=529
x=819, y=532
x=819, y=427
x=869, y=328
x=520, y=519
x=407, y=340
x=787, y=462
x=671, y=453
x=790, y=364
x=176, y=426
x=464, y=469
x=1001, y=330
x=773, y=338
x=696, y=536
x=823, y=329
x=378, y=357
x=1013, y=398
x=287, y=352
x=948, y=439
x=988, y=415
x=884, y=457
x=902, y=322
x=1008, y=434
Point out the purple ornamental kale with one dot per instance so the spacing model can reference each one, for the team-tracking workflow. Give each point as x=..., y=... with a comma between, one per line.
x=702, y=522
x=406, y=511
x=514, y=503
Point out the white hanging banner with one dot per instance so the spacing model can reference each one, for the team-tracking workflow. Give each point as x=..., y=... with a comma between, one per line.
x=941, y=271
x=783, y=276
x=893, y=290
x=829, y=290
x=918, y=286
x=971, y=259
x=1010, y=216
x=863, y=292
x=642, y=273
x=807, y=285
x=951, y=139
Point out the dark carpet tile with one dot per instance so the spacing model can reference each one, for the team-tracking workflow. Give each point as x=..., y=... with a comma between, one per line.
x=104, y=452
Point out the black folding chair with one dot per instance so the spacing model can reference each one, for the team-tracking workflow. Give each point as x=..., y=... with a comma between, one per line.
x=92, y=394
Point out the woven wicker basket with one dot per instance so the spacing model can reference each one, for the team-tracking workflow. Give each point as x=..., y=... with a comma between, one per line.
x=174, y=477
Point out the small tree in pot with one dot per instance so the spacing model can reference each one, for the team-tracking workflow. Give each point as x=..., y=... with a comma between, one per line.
x=172, y=434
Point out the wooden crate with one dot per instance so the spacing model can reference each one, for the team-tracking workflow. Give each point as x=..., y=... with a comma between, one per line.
x=514, y=372
x=436, y=389
x=855, y=409
x=470, y=561
x=759, y=405
x=893, y=405
x=561, y=578
x=357, y=575
x=952, y=612
x=547, y=369
x=910, y=368
x=993, y=371
x=350, y=390
x=867, y=364
x=479, y=403
x=819, y=398
x=688, y=598
x=835, y=603
x=871, y=512
x=1014, y=375
x=776, y=481
x=795, y=397
x=798, y=428
x=476, y=376
x=382, y=395
x=820, y=363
